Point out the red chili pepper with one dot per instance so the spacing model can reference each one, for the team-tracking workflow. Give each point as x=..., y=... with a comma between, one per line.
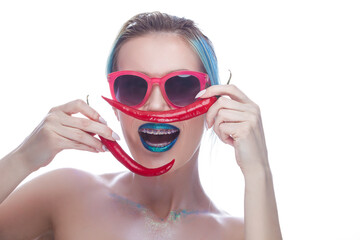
x=190, y=111
x=193, y=110
x=131, y=164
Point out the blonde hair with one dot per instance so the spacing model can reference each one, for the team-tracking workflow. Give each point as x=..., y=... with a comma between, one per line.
x=153, y=22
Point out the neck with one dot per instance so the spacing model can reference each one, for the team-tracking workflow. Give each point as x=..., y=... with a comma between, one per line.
x=163, y=195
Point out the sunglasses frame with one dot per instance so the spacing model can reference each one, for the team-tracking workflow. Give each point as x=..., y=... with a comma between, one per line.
x=202, y=77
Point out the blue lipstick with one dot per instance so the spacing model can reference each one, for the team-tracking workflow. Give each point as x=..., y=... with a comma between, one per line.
x=158, y=137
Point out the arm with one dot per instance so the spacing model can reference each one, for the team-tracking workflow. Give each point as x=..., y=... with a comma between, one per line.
x=25, y=212
x=261, y=217
x=12, y=173
x=237, y=121
x=30, y=210
x=57, y=131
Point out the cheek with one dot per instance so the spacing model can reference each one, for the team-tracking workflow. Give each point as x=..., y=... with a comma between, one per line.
x=192, y=132
x=128, y=126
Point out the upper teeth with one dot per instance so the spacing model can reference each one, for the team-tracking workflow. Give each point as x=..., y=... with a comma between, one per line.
x=158, y=131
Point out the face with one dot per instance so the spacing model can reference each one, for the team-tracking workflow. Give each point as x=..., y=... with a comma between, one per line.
x=157, y=54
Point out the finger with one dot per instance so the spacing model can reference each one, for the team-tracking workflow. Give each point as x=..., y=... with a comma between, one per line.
x=230, y=116
x=78, y=106
x=237, y=130
x=230, y=90
x=79, y=136
x=225, y=103
x=70, y=144
x=87, y=125
x=91, y=134
x=226, y=131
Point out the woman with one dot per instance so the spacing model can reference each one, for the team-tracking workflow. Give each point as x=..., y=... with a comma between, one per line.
x=72, y=204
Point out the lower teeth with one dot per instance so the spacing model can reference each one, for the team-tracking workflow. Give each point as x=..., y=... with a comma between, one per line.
x=159, y=144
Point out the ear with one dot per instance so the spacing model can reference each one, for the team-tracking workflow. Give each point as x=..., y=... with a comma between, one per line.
x=116, y=111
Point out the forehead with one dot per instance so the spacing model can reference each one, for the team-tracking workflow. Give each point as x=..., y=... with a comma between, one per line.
x=157, y=54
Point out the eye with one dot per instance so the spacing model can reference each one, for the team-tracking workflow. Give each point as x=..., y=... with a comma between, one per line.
x=182, y=89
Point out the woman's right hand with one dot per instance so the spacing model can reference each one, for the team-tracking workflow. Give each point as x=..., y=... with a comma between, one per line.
x=59, y=130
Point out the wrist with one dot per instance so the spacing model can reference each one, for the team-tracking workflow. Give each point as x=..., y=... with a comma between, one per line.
x=21, y=163
x=12, y=173
x=256, y=173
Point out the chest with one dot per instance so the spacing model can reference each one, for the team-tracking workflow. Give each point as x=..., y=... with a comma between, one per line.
x=100, y=217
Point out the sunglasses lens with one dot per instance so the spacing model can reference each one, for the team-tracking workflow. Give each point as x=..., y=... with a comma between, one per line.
x=129, y=89
x=182, y=89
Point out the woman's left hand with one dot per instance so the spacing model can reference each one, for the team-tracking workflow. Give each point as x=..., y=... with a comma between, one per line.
x=237, y=121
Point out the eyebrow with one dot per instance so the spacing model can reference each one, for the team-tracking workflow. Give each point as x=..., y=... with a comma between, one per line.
x=147, y=74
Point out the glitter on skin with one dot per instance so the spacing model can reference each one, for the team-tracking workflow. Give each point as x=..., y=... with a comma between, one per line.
x=152, y=224
x=173, y=215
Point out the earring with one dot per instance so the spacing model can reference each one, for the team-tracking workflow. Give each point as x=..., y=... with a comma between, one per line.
x=229, y=78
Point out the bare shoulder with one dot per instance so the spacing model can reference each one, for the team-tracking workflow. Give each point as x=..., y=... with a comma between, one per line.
x=66, y=178
x=111, y=178
x=31, y=206
x=233, y=227
x=51, y=183
x=70, y=179
x=108, y=176
x=62, y=182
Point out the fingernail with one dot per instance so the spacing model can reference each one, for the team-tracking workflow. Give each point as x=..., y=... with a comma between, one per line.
x=206, y=125
x=115, y=136
x=104, y=148
x=202, y=92
x=102, y=120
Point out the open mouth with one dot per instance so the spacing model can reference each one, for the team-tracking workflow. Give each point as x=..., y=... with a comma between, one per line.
x=158, y=137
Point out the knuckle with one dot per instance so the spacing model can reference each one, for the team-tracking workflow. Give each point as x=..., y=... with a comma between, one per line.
x=98, y=145
x=78, y=136
x=257, y=108
x=222, y=100
x=50, y=118
x=85, y=123
x=95, y=115
x=207, y=118
x=221, y=112
x=107, y=133
x=77, y=145
x=221, y=127
x=79, y=102
x=220, y=120
x=209, y=90
x=234, y=87
x=54, y=109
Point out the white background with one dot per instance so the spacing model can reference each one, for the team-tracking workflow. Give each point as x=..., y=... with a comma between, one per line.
x=298, y=60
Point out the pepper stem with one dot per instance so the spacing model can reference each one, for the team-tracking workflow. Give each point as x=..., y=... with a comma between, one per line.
x=229, y=78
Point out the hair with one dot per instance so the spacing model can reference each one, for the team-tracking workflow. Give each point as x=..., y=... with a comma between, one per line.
x=153, y=22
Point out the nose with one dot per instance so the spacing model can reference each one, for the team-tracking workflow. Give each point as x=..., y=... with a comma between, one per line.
x=156, y=101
